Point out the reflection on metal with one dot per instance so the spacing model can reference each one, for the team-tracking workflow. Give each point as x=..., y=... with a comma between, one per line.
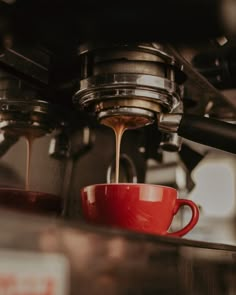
x=59, y=147
x=22, y=111
x=131, y=76
x=26, y=117
x=169, y=122
x=25, y=61
x=171, y=142
x=199, y=89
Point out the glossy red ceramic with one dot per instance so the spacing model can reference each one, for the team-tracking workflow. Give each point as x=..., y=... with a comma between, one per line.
x=139, y=207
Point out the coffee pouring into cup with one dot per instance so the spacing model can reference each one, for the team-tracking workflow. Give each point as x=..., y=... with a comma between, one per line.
x=143, y=208
x=126, y=85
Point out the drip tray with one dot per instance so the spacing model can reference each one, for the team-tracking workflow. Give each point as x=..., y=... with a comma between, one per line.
x=120, y=262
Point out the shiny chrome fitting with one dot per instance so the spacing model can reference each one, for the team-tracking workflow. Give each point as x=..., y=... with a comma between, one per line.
x=171, y=142
x=169, y=122
x=128, y=76
x=26, y=117
x=22, y=112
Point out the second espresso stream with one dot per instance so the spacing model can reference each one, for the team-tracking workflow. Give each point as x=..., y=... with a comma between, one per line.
x=25, y=199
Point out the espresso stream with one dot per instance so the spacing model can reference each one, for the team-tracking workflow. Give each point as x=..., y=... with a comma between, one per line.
x=119, y=125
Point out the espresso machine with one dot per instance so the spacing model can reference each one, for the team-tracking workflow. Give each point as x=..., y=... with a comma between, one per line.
x=65, y=66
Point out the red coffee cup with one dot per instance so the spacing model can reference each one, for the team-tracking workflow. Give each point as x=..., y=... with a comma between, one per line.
x=140, y=207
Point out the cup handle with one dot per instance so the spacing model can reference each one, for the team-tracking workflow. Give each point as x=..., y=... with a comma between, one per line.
x=192, y=222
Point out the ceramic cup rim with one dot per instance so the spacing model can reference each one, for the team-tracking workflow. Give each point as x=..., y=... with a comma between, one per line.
x=130, y=184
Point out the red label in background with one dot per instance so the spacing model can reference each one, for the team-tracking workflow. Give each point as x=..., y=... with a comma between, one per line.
x=17, y=285
x=23, y=273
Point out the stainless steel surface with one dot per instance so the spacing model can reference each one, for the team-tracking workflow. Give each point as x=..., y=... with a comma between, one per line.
x=122, y=262
x=22, y=117
x=128, y=102
x=126, y=85
x=22, y=110
x=171, y=142
x=138, y=51
x=199, y=89
x=60, y=146
x=169, y=122
x=128, y=75
x=28, y=61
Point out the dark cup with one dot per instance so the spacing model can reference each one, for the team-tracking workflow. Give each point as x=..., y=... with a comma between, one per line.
x=30, y=201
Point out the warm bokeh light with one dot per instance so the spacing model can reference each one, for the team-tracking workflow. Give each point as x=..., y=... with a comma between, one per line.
x=215, y=189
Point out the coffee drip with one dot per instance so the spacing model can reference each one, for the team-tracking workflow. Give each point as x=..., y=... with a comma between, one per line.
x=26, y=200
x=29, y=135
x=119, y=125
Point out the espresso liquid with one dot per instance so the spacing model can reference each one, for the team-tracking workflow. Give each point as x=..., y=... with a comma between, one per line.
x=119, y=125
